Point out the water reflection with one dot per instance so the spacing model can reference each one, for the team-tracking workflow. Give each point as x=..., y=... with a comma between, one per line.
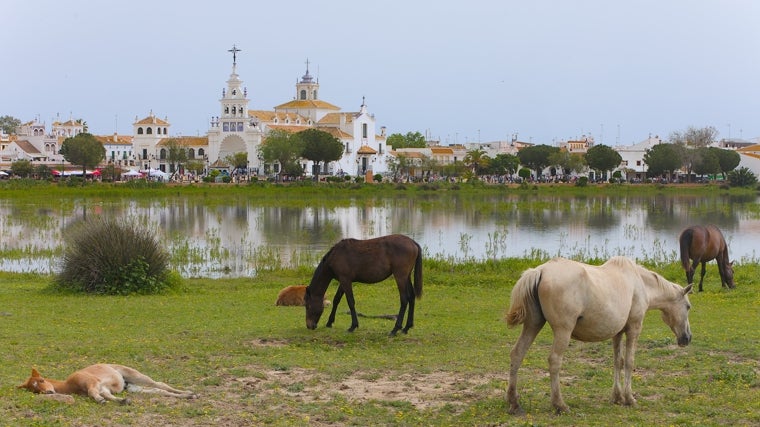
x=241, y=236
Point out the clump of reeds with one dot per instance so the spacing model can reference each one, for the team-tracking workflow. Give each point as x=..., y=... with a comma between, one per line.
x=113, y=257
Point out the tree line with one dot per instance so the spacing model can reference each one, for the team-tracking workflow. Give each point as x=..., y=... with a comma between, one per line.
x=688, y=150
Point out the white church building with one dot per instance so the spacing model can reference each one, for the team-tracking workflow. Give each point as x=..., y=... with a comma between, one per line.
x=238, y=129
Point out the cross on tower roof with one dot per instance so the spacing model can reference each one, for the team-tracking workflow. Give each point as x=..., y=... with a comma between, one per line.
x=234, y=51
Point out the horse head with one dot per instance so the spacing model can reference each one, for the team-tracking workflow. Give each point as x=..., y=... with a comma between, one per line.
x=675, y=314
x=315, y=305
x=37, y=384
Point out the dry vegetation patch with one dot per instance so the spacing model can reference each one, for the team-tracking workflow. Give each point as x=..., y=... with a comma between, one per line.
x=423, y=391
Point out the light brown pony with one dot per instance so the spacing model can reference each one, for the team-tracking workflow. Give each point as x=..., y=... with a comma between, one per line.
x=702, y=244
x=293, y=296
x=101, y=381
x=591, y=303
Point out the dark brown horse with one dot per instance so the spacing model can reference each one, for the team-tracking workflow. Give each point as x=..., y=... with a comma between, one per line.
x=366, y=261
x=702, y=244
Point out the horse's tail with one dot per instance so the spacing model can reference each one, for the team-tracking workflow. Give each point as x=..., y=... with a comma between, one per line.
x=685, y=243
x=523, y=296
x=418, y=272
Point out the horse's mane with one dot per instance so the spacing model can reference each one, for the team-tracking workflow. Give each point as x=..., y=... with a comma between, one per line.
x=621, y=261
x=320, y=267
x=663, y=284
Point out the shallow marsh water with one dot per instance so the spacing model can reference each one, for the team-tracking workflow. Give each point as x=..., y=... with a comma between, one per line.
x=238, y=237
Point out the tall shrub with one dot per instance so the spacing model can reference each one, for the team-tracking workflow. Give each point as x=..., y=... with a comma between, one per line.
x=113, y=257
x=742, y=177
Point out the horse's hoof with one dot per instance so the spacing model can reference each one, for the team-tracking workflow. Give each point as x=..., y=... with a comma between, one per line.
x=516, y=410
x=351, y=329
x=561, y=408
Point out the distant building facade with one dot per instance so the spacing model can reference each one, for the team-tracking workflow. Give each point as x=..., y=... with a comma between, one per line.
x=239, y=129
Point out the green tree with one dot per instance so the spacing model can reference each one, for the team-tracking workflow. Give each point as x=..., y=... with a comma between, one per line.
x=476, y=160
x=410, y=140
x=504, y=163
x=690, y=140
x=536, y=157
x=662, y=158
x=742, y=177
x=415, y=140
x=524, y=173
x=284, y=148
x=568, y=162
x=396, y=141
x=707, y=162
x=9, y=124
x=22, y=168
x=42, y=171
x=400, y=165
x=319, y=146
x=727, y=159
x=85, y=128
x=237, y=160
x=83, y=150
x=176, y=154
x=603, y=158
x=195, y=166
x=429, y=165
x=453, y=169
x=109, y=172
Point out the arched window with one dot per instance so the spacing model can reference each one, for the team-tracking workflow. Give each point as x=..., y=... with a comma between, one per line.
x=303, y=93
x=364, y=130
x=164, y=131
x=162, y=154
x=315, y=94
x=201, y=153
x=191, y=153
x=139, y=131
x=150, y=131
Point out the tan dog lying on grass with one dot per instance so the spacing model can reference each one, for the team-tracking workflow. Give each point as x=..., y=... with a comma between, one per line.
x=101, y=381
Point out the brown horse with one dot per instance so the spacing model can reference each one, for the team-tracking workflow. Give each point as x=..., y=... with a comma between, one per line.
x=366, y=261
x=702, y=244
x=591, y=303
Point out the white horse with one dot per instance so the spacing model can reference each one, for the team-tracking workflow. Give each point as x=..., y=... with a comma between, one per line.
x=591, y=303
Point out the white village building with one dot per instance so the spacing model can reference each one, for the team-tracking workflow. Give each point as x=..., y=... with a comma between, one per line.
x=238, y=129
x=241, y=129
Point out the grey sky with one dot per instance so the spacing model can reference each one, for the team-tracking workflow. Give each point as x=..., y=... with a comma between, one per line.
x=459, y=71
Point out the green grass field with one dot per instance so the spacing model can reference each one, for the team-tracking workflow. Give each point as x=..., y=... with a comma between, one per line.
x=253, y=363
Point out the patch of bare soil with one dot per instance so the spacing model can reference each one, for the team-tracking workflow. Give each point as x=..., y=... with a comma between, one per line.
x=429, y=390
